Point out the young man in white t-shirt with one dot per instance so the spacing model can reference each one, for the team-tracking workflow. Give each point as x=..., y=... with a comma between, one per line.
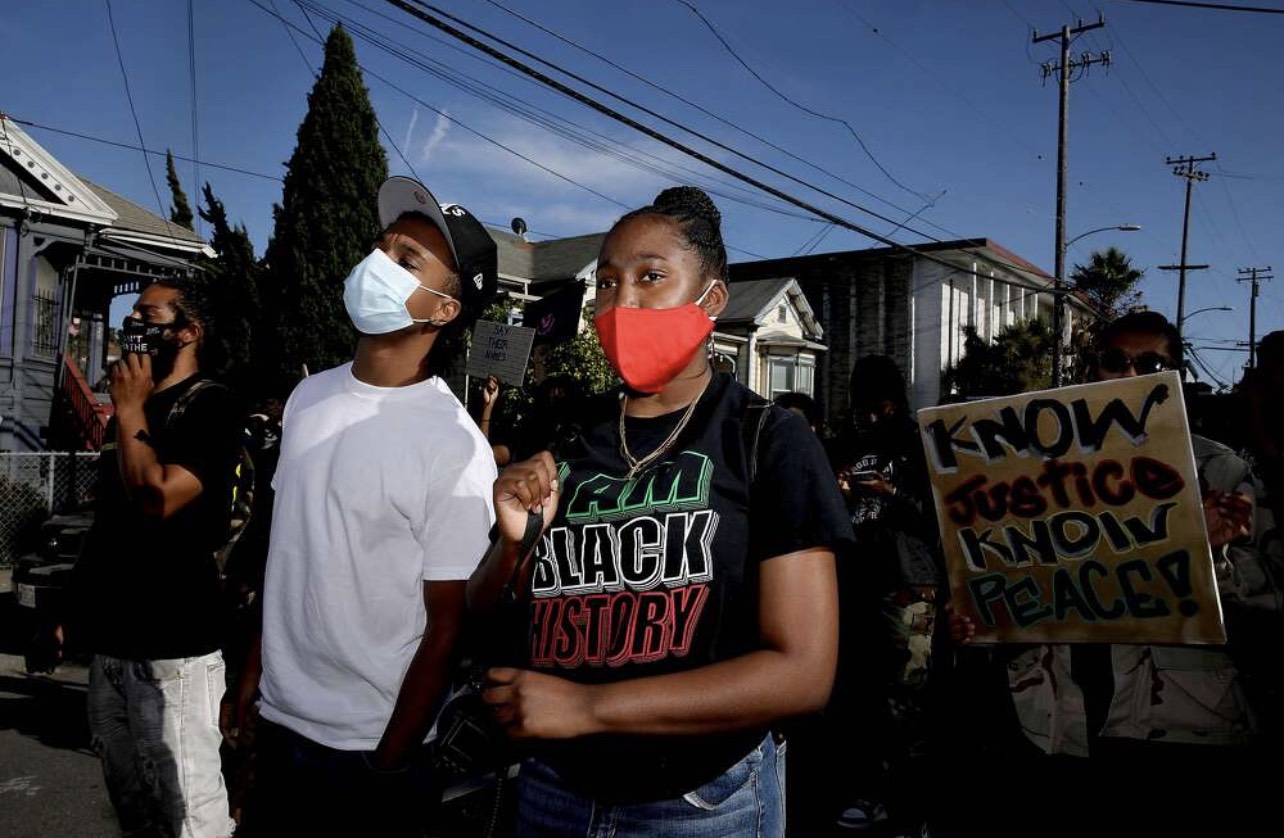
x=383, y=508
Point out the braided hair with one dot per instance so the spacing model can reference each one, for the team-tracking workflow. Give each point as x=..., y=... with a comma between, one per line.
x=699, y=220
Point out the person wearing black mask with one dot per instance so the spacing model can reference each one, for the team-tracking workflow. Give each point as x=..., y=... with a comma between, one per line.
x=146, y=599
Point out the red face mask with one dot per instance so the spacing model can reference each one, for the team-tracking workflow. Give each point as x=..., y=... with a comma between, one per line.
x=648, y=347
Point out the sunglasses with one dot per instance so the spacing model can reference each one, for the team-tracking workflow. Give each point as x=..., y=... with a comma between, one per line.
x=1116, y=360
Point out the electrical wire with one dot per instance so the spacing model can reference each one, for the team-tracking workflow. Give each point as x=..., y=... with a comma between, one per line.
x=120, y=59
x=429, y=18
x=690, y=103
x=456, y=121
x=1221, y=7
x=584, y=99
x=387, y=135
x=28, y=123
x=547, y=120
x=785, y=97
x=196, y=133
x=977, y=110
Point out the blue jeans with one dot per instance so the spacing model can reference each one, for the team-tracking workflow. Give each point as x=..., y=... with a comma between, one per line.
x=154, y=725
x=747, y=801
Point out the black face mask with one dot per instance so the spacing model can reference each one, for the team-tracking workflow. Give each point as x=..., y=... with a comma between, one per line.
x=142, y=338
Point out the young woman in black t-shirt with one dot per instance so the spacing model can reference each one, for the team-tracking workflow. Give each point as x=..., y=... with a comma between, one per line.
x=682, y=598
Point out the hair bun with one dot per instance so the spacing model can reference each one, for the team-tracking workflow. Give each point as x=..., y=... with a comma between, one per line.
x=690, y=202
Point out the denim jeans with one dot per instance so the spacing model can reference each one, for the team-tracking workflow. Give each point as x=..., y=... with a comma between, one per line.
x=746, y=801
x=154, y=725
x=305, y=788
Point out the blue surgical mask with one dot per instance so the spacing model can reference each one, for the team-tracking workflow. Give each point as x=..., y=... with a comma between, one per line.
x=375, y=295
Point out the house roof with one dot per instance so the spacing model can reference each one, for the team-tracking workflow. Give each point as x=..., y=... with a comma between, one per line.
x=988, y=250
x=547, y=260
x=752, y=300
x=33, y=182
x=132, y=218
x=748, y=299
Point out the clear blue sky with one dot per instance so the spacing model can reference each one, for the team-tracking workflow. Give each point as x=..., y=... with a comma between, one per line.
x=948, y=97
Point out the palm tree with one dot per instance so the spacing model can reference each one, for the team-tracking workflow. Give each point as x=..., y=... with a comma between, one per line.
x=1109, y=281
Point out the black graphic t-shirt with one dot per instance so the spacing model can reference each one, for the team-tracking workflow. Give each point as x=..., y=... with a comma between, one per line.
x=660, y=573
x=148, y=589
x=895, y=534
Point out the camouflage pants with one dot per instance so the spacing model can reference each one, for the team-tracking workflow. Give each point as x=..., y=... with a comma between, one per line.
x=908, y=618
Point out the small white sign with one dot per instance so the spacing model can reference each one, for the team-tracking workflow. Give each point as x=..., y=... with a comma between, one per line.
x=500, y=350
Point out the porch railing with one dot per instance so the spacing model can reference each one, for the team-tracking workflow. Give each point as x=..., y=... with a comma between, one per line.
x=89, y=414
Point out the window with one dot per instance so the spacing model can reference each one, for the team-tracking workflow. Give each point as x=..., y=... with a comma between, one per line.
x=45, y=333
x=44, y=311
x=782, y=376
x=782, y=314
x=806, y=379
x=791, y=375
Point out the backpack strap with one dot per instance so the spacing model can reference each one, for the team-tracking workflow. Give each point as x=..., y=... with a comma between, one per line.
x=185, y=400
x=751, y=426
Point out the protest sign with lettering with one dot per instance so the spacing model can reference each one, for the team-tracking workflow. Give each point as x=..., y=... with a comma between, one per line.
x=1075, y=515
x=500, y=350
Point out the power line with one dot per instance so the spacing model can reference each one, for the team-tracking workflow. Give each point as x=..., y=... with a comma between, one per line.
x=429, y=18
x=986, y=119
x=164, y=216
x=1266, y=10
x=470, y=129
x=584, y=99
x=859, y=140
x=576, y=96
x=544, y=119
x=196, y=133
x=668, y=92
x=104, y=141
x=385, y=131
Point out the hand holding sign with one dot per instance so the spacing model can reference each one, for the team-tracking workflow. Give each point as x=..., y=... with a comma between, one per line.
x=1226, y=516
x=1070, y=515
x=500, y=351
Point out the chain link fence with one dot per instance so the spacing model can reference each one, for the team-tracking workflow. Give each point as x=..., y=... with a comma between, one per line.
x=36, y=485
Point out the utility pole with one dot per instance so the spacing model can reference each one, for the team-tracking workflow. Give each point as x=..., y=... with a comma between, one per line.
x=1065, y=68
x=1255, y=276
x=1184, y=167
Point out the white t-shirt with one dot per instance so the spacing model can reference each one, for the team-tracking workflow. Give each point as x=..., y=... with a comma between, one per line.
x=378, y=490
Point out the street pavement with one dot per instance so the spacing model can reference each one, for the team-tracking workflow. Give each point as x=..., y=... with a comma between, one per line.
x=50, y=781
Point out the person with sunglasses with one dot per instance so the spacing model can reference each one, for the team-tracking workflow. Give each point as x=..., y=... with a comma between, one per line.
x=1147, y=713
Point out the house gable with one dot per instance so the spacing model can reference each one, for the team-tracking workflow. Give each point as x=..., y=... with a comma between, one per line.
x=58, y=192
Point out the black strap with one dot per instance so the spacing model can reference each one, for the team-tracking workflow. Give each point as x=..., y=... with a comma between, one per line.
x=755, y=419
x=185, y=399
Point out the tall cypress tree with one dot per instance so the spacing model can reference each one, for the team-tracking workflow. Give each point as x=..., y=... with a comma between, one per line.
x=181, y=211
x=325, y=222
x=233, y=277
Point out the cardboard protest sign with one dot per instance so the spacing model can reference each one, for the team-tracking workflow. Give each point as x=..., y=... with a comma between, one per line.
x=1074, y=515
x=500, y=350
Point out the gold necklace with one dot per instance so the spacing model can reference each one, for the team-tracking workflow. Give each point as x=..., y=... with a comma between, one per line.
x=636, y=466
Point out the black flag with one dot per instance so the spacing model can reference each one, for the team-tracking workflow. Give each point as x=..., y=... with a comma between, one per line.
x=556, y=317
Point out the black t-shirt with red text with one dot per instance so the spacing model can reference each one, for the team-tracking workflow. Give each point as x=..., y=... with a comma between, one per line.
x=146, y=588
x=660, y=573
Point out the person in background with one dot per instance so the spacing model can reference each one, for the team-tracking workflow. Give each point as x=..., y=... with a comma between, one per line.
x=698, y=607
x=889, y=597
x=490, y=392
x=553, y=418
x=1110, y=716
x=147, y=595
x=383, y=505
x=804, y=405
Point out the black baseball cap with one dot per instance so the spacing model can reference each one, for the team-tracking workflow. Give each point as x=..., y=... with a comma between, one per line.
x=476, y=257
